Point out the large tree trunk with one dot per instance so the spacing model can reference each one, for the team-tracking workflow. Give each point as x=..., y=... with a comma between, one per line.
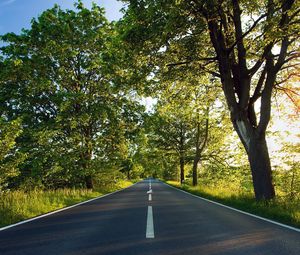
x=181, y=169
x=237, y=74
x=255, y=144
x=261, y=168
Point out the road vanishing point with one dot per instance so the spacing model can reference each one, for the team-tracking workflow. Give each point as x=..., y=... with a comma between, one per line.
x=149, y=217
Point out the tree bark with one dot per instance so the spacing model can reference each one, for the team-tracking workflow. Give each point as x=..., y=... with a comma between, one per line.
x=227, y=35
x=181, y=169
x=292, y=193
x=195, y=168
x=261, y=168
x=235, y=79
x=86, y=158
x=257, y=151
x=128, y=174
x=89, y=182
x=200, y=147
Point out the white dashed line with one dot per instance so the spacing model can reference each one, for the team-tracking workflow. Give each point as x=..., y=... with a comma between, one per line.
x=150, y=226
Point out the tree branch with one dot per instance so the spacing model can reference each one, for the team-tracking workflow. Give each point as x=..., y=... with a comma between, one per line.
x=259, y=62
x=246, y=33
x=190, y=61
x=257, y=91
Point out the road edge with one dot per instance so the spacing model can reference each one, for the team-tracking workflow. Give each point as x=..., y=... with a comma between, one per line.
x=237, y=210
x=62, y=209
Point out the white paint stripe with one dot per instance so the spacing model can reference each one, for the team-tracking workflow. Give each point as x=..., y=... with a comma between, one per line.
x=237, y=210
x=150, y=227
x=150, y=197
x=63, y=209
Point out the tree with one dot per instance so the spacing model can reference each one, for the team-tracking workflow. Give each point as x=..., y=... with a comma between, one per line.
x=172, y=133
x=248, y=42
x=63, y=77
x=292, y=175
x=180, y=122
x=10, y=158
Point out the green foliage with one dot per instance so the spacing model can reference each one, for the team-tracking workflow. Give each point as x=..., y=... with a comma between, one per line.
x=215, y=174
x=287, y=175
x=63, y=77
x=10, y=157
x=235, y=41
x=70, y=88
x=188, y=122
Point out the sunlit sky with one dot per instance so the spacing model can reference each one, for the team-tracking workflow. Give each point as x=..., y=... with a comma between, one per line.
x=17, y=14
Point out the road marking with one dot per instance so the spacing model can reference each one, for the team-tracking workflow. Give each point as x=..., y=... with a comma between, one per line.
x=237, y=210
x=63, y=209
x=150, y=227
x=149, y=192
x=150, y=197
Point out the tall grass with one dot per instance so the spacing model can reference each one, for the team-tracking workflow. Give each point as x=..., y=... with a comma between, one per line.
x=19, y=205
x=280, y=209
x=112, y=186
x=16, y=206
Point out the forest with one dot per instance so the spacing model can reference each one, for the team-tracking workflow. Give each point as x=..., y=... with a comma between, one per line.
x=201, y=94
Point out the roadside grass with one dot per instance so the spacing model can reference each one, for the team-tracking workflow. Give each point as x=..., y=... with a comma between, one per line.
x=19, y=205
x=108, y=188
x=280, y=209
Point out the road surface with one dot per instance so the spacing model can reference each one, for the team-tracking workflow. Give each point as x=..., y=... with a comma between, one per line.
x=146, y=219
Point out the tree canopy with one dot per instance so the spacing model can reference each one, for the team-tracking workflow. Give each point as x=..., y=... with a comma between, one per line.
x=72, y=88
x=62, y=79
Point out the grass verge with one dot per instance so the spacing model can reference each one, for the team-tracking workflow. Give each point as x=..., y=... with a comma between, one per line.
x=279, y=209
x=16, y=206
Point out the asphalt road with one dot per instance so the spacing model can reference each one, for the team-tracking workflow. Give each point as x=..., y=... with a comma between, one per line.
x=122, y=224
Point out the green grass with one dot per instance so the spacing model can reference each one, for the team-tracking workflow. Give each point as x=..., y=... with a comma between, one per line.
x=16, y=206
x=280, y=209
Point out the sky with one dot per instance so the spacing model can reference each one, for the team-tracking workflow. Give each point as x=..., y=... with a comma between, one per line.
x=17, y=14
